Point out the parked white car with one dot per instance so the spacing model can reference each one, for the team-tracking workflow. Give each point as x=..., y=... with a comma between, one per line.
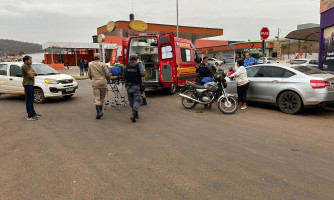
x=215, y=62
x=48, y=83
x=265, y=60
x=305, y=62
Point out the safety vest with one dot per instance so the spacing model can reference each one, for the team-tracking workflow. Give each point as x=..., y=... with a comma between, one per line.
x=132, y=74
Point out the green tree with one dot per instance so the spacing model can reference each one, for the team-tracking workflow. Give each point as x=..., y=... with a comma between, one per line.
x=284, y=46
x=21, y=53
x=306, y=46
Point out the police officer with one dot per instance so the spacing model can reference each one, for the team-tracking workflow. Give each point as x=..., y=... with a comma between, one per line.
x=99, y=74
x=133, y=72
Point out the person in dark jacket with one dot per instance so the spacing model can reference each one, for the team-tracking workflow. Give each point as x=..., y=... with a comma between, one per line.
x=204, y=70
x=81, y=66
x=133, y=73
x=86, y=67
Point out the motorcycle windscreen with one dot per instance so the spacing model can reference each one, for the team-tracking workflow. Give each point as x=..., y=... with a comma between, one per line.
x=168, y=71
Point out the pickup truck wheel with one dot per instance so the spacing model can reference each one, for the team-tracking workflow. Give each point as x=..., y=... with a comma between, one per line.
x=38, y=96
x=172, y=89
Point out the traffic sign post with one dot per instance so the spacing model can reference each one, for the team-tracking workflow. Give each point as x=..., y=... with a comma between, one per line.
x=264, y=33
x=263, y=48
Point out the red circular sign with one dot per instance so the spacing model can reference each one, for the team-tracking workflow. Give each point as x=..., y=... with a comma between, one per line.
x=264, y=33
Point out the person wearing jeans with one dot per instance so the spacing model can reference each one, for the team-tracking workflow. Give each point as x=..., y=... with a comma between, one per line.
x=242, y=84
x=29, y=94
x=28, y=82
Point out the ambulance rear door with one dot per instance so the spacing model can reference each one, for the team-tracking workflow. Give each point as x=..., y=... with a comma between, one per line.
x=125, y=44
x=167, y=56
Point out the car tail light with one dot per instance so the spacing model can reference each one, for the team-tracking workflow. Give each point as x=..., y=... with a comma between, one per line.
x=316, y=84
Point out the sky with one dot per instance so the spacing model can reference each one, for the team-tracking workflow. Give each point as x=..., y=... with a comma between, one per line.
x=39, y=21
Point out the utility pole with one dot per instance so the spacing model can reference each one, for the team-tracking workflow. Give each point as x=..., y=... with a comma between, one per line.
x=278, y=35
x=177, y=18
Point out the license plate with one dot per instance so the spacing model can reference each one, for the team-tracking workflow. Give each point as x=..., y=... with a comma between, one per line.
x=69, y=89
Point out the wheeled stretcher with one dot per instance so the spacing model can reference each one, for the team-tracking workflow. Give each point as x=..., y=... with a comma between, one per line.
x=119, y=99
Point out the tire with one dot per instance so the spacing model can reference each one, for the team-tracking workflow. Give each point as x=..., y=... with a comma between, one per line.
x=172, y=89
x=228, y=107
x=217, y=64
x=188, y=104
x=290, y=102
x=68, y=96
x=39, y=95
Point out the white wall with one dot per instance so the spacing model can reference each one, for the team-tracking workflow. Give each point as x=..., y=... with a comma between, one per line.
x=292, y=56
x=36, y=57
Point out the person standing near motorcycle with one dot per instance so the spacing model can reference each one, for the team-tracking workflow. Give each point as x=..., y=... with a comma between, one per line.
x=242, y=84
x=203, y=70
x=99, y=74
x=133, y=73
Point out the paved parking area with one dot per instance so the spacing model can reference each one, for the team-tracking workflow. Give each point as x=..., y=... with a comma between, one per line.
x=171, y=153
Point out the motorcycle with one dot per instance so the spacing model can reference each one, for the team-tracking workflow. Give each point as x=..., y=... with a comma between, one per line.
x=192, y=94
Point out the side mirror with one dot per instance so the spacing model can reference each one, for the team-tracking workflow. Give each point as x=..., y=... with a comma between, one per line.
x=19, y=75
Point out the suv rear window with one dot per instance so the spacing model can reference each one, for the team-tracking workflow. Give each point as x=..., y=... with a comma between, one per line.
x=309, y=70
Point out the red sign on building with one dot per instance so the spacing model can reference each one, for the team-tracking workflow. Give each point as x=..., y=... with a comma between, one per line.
x=264, y=33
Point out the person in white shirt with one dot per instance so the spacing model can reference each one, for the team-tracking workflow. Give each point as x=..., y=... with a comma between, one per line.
x=237, y=57
x=242, y=84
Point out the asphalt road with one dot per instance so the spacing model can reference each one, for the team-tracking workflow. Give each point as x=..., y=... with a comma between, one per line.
x=170, y=153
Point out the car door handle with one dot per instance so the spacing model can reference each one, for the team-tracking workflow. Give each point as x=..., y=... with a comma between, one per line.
x=275, y=81
x=10, y=79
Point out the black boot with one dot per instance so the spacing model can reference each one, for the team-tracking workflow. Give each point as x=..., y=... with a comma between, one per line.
x=133, y=116
x=144, y=102
x=101, y=108
x=137, y=115
x=98, y=112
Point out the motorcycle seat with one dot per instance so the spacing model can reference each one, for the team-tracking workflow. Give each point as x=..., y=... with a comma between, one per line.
x=195, y=85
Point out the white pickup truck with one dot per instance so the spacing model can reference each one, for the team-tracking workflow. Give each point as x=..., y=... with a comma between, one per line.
x=48, y=83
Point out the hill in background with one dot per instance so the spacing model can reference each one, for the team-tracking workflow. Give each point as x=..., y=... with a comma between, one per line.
x=15, y=47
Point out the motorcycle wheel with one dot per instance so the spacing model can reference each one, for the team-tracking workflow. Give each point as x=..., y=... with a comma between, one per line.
x=228, y=107
x=188, y=104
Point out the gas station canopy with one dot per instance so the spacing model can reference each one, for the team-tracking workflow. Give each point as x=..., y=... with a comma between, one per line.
x=308, y=34
x=123, y=29
x=74, y=45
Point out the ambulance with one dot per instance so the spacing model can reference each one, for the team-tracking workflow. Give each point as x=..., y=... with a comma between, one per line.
x=169, y=61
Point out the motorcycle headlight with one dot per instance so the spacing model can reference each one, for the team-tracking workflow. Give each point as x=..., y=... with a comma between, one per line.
x=51, y=81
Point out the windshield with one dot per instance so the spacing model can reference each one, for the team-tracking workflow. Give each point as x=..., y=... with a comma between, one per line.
x=309, y=70
x=298, y=61
x=43, y=69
